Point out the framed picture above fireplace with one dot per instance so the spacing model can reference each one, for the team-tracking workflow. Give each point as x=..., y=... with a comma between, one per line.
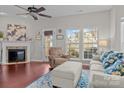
x=16, y=32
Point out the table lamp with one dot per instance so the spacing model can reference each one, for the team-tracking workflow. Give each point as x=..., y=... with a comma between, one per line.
x=103, y=43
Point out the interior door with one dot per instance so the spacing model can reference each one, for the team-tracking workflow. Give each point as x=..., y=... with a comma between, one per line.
x=48, y=41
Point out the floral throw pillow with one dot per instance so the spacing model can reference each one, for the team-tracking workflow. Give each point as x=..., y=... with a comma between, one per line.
x=113, y=67
x=120, y=70
x=112, y=58
x=117, y=68
x=105, y=55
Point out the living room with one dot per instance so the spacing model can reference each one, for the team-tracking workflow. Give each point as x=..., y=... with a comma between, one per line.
x=82, y=32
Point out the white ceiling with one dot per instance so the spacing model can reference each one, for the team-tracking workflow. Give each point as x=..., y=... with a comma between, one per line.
x=57, y=10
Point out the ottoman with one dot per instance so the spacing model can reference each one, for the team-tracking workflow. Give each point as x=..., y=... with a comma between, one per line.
x=67, y=74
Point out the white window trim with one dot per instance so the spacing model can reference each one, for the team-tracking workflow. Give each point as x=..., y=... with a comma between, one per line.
x=66, y=43
x=81, y=42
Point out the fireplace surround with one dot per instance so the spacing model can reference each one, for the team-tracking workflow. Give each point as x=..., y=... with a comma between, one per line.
x=16, y=55
x=16, y=49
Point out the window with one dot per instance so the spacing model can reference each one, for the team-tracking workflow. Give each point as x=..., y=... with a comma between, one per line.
x=81, y=44
x=89, y=43
x=73, y=42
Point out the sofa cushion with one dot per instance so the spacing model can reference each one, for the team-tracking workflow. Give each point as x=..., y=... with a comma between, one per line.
x=96, y=57
x=96, y=67
x=59, y=61
x=106, y=81
x=95, y=62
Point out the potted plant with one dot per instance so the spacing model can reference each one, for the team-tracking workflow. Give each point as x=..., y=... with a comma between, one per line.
x=1, y=36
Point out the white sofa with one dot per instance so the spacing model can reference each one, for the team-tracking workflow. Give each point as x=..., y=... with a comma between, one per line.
x=99, y=79
x=67, y=74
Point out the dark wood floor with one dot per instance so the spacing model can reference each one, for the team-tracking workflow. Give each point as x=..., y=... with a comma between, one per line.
x=21, y=75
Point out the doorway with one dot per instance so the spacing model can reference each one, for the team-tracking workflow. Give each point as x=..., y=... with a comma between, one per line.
x=48, y=41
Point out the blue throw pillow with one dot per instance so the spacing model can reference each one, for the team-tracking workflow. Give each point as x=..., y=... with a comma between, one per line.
x=113, y=67
x=112, y=58
x=120, y=55
x=105, y=55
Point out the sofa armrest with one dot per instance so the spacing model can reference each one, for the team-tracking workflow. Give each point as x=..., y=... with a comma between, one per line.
x=65, y=56
x=51, y=60
x=102, y=80
x=51, y=57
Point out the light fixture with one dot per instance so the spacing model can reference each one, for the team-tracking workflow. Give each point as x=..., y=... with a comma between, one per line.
x=103, y=43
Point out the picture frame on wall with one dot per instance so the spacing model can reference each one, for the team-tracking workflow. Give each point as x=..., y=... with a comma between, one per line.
x=16, y=32
x=38, y=36
x=59, y=37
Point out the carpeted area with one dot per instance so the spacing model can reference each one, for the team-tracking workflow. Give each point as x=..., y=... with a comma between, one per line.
x=45, y=81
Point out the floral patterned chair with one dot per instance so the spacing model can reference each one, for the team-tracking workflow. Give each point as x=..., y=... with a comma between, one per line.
x=57, y=56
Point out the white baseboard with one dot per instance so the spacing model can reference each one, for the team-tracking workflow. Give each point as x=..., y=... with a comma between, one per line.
x=39, y=60
x=36, y=60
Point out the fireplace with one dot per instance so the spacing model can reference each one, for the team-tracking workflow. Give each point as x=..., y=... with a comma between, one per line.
x=16, y=55
x=15, y=52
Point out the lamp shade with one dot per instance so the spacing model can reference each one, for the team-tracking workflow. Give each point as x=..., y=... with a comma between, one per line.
x=103, y=43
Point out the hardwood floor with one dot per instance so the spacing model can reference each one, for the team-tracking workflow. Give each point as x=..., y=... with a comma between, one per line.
x=21, y=75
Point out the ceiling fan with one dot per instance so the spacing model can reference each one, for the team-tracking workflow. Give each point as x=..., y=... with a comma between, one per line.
x=33, y=11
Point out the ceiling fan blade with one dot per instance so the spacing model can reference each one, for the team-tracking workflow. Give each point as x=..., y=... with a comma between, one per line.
x=40, y=9
x=22, y=14
x=34, y=16
x=45, y=15
x=21, y=7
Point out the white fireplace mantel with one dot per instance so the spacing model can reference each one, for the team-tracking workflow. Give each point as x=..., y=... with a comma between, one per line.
x=6, y=45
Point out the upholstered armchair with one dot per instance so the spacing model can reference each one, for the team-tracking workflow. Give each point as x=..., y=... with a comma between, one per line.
x=57, y=56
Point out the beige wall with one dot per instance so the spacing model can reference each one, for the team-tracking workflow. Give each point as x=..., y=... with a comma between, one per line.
x=116, y=14
x=101, y=20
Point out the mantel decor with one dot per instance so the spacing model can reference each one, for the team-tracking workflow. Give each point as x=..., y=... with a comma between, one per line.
x=59, y=37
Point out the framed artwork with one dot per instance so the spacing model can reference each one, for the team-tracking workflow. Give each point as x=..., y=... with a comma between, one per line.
x=38, y=36
x=16, y=32
x=59, y=37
